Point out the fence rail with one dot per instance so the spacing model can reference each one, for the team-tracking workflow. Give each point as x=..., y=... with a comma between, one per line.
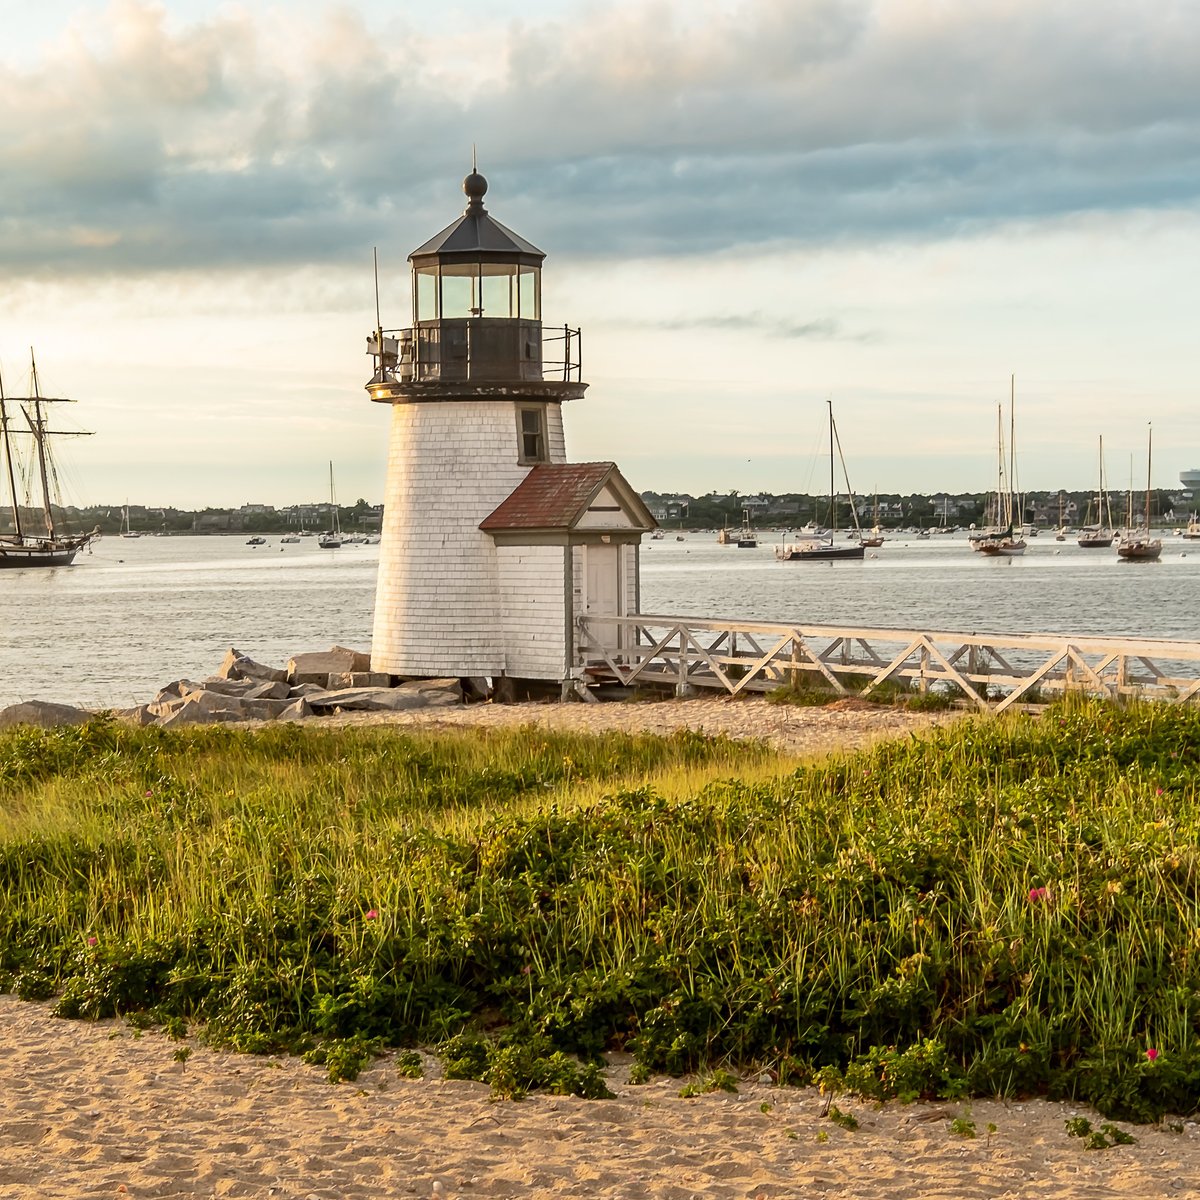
x=989, y=670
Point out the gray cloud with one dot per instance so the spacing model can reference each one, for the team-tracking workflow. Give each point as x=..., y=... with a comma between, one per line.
x=818, y=329
x=639, y=129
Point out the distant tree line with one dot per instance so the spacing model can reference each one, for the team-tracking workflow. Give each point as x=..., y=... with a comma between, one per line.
x=897, y=510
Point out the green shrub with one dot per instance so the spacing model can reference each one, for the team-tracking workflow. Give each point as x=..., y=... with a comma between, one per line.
x=1004, y=907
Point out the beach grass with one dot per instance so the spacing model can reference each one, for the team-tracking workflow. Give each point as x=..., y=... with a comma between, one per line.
x=1002, y=907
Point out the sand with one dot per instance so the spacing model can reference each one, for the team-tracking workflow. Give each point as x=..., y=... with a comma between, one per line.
x=97, y=1109
x=843, y=725
x=100, y=1109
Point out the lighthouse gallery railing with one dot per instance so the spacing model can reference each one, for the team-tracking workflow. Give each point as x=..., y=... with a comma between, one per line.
x=990, y=670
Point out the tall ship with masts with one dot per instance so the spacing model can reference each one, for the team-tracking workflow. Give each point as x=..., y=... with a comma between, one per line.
x=33, y=543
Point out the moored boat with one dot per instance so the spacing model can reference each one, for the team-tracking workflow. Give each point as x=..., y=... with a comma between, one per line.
x=817, y=548
x=1098, y=535
x=22, y=547
x=1002, y=539
x=331, y=539
x=747, y=539
x=1138, y=545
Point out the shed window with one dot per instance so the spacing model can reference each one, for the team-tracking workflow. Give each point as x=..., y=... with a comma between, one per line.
x=531, y=429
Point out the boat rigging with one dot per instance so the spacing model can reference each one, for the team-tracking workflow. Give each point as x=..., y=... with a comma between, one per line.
x=22, y=547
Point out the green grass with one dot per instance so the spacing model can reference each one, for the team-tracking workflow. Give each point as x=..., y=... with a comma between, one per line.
x=1004, y=907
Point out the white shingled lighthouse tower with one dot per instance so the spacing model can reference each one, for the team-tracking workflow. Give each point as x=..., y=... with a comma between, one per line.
x=492, y=542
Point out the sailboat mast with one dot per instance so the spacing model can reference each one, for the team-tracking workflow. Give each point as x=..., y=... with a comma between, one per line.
x=845, y=475
x=8, y=458
x=999, y=465
x=1149, y=448
x=337, y=525
x=38, y=425
x=832, y=501
x=1012, y=447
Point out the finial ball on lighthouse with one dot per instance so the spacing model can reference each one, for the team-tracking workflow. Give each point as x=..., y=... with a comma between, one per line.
x=474, y=188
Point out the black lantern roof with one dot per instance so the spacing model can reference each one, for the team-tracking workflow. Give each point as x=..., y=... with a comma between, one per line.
x=476, y=236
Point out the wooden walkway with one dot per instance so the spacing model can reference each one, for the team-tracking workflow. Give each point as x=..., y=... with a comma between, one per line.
x=989, y=670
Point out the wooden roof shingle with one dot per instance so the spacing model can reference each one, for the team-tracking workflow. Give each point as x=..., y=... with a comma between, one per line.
x=551, y=496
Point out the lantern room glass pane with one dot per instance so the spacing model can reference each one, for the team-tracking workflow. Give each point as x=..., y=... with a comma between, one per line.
x=497, y=291
x=426, y=294
x=529, y=294
x=460, y=290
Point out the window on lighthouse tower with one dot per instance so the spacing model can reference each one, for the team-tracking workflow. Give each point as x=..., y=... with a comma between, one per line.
x=531, y=427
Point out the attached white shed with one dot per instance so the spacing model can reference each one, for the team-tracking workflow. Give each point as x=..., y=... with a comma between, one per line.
x=567, y=543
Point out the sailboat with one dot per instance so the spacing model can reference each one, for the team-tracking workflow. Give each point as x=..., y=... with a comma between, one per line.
x=825, y=549
x=1002, y=540
x=331, y=539
x=126, y=532
x=1100, y=535
x=1136, y=545
x=747, y=539
x=22, y=547
x=875, y=537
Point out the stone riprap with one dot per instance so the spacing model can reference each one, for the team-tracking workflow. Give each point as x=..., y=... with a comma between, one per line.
x=333, y=681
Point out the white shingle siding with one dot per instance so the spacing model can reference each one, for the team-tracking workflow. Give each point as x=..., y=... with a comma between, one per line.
x=438, y=602
x=533, y=599
x=629, y=573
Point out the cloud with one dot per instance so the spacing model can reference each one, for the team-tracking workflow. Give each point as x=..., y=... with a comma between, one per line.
x=817, y=329
x=657, y=128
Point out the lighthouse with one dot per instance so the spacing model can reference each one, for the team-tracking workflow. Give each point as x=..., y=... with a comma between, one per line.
x=492, y=542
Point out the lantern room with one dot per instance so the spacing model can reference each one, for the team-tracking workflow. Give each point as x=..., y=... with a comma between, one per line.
x=477, y=310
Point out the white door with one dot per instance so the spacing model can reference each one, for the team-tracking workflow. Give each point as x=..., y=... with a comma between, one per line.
x=602, y=591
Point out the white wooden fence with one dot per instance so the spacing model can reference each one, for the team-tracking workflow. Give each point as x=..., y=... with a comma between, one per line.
x=990, y=670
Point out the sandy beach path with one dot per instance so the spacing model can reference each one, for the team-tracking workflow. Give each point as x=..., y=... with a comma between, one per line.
x=97, y=1110
x=843, y=725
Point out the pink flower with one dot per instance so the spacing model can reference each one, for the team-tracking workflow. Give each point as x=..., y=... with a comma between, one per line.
x=149, y=792
x=1038, y=894
x=1152, y=1054
x=92, y=941
x=1158, y=791
x=372, y=914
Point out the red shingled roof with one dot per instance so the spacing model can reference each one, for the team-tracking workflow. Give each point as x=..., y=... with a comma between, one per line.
x=551, y=496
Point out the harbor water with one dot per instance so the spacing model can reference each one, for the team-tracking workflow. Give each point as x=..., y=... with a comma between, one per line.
x=138, y=613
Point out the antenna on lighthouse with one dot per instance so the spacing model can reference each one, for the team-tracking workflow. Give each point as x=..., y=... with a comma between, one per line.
x=378, y=322
x=381, y=372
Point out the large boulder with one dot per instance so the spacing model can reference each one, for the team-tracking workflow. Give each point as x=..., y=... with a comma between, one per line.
x=297, y=690
x=419, y=693
x=365, y=700
x=435, y=692
x=221, y=707
x=359, y=679
x=139, y=716
x=239, y=666
x=195, y=712
x=242, y=689
x=246, y=689
x=42, y=713
x=317, y=666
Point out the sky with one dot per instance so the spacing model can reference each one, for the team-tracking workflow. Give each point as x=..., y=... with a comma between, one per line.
x=905, y=207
